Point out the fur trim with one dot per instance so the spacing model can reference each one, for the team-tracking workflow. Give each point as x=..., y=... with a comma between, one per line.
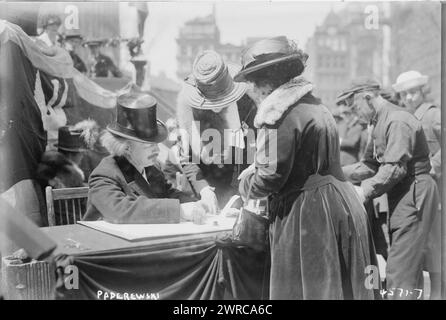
x=277, y=103
x=90, y=132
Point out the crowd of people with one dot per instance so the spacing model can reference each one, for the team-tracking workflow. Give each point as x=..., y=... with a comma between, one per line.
x=340, y=187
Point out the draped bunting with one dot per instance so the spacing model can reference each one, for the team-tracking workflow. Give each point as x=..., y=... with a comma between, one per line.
x=56, y=62
x=202, y=269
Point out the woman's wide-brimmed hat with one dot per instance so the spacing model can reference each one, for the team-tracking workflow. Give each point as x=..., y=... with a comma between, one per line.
x=136, y=118
x=268, y=52
x=70, y=139
x=409, y=80
x=210, y=85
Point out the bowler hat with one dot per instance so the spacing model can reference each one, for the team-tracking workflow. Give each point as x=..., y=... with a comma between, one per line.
x=70, y=139
x=210, y=85
x=136, y=118
x=268, y=52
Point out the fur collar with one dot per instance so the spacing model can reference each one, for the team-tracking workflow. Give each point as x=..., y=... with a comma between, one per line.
x=280, y=100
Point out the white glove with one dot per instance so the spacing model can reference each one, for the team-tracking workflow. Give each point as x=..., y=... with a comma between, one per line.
x=360, y=193
x=247, y=171
x=209, y=200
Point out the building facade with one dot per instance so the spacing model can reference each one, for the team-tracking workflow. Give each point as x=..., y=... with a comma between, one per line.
x=379, y=40
x=416, y=42
x=344, y=47
x=195, y=36
x=202, y=34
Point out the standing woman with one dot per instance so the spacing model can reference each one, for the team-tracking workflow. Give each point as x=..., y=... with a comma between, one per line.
x=319, y=234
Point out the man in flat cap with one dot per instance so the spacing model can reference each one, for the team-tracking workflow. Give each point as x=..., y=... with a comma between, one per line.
x=397, y=162
x=128, y=186
x=413, y=88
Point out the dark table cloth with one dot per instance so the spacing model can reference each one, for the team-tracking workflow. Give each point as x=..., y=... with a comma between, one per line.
x=187, y=267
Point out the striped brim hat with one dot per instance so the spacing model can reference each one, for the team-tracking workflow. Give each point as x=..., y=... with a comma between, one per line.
x=210, y=85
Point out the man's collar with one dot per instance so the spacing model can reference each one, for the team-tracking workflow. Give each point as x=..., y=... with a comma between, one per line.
x=379, y=105
x=140, y=169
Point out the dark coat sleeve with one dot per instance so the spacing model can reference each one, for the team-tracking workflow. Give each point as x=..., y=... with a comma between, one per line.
x=273, y=166
x=108, y=197
x=364, y=169
x=157, y=177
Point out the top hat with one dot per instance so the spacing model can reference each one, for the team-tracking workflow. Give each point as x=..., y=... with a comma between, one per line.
x=408, y=80
x=268, y=52
x=136, y=118
x=210, y=85
x=70, y=139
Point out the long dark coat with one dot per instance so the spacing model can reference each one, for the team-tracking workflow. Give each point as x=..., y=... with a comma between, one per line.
x=319, y=235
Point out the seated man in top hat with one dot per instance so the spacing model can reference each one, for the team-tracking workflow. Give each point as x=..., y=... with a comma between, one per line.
x=396, y=162
x=218, y=113
x=128, y=186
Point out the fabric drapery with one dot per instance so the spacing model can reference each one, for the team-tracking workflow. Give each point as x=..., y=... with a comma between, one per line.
x=203, y=269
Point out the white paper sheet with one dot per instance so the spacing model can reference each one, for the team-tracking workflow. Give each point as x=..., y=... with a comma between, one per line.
x=138, y=232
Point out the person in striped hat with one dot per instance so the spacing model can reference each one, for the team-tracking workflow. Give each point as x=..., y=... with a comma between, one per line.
x=211, y=102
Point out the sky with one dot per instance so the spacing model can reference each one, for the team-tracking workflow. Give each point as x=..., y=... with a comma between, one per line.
x=236, y=21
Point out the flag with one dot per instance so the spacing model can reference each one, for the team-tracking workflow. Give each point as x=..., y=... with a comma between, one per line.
x=39, y=83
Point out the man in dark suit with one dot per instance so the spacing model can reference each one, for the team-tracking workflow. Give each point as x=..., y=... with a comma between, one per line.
x=128, y=186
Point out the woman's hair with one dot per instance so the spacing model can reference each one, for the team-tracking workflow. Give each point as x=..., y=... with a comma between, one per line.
x=116, y=146
x=276, y=75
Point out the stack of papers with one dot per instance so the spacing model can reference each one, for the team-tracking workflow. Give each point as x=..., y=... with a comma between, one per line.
x=138, y=232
